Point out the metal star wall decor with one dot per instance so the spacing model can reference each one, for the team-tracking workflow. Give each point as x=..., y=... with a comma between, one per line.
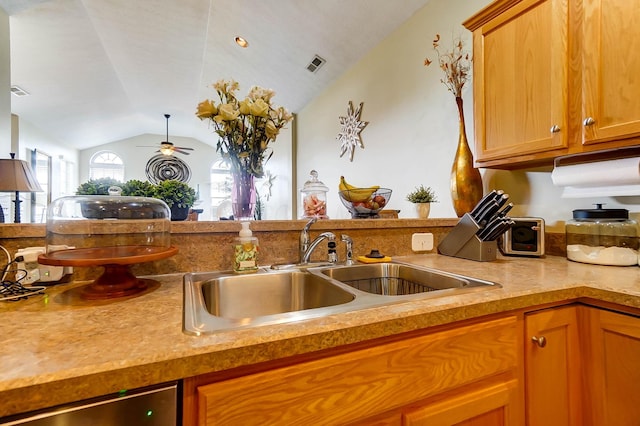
x=349, y=136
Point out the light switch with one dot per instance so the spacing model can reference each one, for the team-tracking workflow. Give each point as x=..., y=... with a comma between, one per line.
x=422, y=242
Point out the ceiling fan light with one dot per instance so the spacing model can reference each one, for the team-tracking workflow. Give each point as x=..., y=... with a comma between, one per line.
x=166, y=150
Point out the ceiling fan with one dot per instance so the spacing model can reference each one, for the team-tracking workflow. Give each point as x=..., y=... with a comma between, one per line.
x=167, y=148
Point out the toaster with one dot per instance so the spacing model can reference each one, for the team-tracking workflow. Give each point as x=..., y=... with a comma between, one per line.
x=524, y=238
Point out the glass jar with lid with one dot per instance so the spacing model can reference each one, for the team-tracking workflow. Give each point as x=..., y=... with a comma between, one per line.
x=603, y=237
x=314, y=198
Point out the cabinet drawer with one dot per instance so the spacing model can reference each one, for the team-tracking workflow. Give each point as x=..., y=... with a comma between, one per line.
x=365, y=382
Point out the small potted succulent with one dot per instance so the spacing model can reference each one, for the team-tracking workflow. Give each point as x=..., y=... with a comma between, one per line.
x=178, y=195
x=422, y=197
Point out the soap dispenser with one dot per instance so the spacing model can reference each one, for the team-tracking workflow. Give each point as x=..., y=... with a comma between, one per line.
x=245, y=251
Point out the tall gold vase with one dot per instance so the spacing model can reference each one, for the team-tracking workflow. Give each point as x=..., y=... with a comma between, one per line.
x=466, y=182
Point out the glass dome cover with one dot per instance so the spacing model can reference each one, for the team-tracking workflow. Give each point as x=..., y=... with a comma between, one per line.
x=109, y=231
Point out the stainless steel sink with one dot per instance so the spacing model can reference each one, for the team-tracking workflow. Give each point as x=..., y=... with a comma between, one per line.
x=251, y=296
x=218, y=301
x=395, y=279
x=221, y=300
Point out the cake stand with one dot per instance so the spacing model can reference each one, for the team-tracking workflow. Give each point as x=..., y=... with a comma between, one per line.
x=117, y=280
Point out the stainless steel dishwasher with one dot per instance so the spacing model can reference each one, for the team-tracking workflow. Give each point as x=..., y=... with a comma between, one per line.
x=150, y=406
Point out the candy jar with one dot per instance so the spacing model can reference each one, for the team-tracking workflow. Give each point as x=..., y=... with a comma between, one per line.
x=314, y=198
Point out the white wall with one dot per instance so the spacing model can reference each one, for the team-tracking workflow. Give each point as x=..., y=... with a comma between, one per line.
x=413, y=122
x=412, y=132
x=5, y=84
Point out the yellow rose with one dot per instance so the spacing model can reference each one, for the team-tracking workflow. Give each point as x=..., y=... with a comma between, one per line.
x=206, y=109
x=227, y=112
x=259, y=108
x=245, y=106
x=270, y=129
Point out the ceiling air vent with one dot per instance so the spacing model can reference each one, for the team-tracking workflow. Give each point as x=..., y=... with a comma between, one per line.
x=316, y=63
x=18, y=91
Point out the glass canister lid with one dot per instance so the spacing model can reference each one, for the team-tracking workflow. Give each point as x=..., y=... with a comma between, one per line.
x=600, y=213
x=313, y=184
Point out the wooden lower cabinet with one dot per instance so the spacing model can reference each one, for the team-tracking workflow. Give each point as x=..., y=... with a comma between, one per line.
x=567, y=365
x=488, y=405
x=552, y=366
x=462, y=372
x=582, y=367
x=612, y=368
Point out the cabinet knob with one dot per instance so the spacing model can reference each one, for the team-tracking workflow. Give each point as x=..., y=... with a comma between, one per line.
x=589, y=121
x=555, y=128
x=540, y=341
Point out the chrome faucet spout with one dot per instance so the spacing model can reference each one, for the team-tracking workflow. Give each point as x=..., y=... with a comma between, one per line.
x=330, y=236
x=304, y=237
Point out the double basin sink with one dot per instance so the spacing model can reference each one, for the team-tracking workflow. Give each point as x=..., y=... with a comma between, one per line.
x=218, y=301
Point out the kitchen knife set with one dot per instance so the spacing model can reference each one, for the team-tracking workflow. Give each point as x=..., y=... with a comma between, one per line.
x=475, y=235
x=491, y=215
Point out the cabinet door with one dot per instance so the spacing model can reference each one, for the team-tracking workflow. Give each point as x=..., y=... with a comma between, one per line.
x=613, y=367
x=487, y=406
x=356, y=385
x=520, y=80
x=610, y=72
x=552, y=367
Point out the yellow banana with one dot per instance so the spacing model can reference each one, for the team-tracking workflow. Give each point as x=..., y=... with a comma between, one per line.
x=354, y=194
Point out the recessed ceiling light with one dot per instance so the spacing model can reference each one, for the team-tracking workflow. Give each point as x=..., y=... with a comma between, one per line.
x=241, y=42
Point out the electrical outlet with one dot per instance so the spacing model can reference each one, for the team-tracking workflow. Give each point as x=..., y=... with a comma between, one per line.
x=422, y=242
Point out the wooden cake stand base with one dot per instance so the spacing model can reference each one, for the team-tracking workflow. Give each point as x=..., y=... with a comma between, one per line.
x=117, y=280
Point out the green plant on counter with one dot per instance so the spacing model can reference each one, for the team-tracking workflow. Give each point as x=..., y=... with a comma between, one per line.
x=422, y=195
x=98, y=186
x=175, y=193
x=138, y=188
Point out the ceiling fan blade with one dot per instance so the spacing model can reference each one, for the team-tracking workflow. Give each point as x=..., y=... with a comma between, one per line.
x=181, y=151
x=184, y=147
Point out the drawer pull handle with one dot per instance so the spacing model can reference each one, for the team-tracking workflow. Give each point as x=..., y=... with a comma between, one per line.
x=540, y=341
x=589, y=121
x=555, y=128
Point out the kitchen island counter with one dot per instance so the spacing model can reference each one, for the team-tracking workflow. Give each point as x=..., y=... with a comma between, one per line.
x=59, y=348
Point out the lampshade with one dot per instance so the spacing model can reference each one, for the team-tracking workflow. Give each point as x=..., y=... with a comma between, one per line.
x=16, y=175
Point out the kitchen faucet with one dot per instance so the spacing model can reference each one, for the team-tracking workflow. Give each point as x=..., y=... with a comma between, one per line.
x=304, y=238
x=330, y=236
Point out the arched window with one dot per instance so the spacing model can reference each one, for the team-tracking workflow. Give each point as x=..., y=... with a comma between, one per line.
x=106, y=164
x=220, y=186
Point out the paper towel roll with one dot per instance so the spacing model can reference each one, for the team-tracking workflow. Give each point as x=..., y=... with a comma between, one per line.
x=602, y=178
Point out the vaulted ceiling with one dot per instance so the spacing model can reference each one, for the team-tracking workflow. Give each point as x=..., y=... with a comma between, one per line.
x=103, y=70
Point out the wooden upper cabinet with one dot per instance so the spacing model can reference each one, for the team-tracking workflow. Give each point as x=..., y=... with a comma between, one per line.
x=520, y=79
x=611, y=70
x=554, y=77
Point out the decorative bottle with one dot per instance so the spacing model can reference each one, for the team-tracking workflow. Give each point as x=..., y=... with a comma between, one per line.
x=245, y=251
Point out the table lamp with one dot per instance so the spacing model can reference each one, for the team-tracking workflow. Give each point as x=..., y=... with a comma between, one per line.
x=16, y=175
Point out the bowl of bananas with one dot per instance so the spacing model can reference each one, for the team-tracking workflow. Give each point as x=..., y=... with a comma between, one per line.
x=363, y=202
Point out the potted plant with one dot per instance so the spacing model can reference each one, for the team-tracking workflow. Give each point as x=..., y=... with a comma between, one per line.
x=98, y=186
x=178, y=195
x=422, y=197
x=138, y=188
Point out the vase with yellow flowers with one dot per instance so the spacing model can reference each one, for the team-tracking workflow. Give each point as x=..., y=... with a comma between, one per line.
x=245, y=129
x=466, y=182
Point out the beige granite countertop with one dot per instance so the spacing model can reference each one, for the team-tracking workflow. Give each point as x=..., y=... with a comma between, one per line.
x=57, y=348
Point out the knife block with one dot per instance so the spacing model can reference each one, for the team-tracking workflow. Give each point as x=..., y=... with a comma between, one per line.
x=463, y=242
